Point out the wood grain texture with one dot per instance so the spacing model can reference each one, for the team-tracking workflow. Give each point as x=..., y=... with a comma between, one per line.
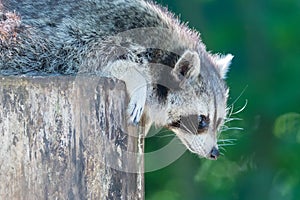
x=67, y=138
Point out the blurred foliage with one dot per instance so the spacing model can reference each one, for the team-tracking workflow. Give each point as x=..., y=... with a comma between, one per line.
x=264, y=163
x=288, y=125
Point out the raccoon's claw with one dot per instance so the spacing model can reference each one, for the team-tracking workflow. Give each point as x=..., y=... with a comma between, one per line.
x=135, y=114
x=136, y=108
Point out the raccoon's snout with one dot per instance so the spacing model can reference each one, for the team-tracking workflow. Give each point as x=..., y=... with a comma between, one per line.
x=214, y=153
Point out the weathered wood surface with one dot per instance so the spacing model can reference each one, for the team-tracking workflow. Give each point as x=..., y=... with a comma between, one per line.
x=67, y=138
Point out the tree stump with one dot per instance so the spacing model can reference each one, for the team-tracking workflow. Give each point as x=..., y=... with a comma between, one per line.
x=65, y=137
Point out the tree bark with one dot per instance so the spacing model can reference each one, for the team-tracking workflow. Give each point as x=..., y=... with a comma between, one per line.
x=67, y=138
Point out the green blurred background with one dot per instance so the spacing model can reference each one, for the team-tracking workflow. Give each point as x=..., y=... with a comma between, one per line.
x=264, y=162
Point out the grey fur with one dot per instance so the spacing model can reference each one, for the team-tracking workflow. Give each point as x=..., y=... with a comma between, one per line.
x=169, y=75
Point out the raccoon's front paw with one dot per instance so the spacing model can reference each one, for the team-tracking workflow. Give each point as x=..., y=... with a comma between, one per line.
x=136, y=107
x=135, y=113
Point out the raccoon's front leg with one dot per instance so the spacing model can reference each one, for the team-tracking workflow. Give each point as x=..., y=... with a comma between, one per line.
x=136, y=85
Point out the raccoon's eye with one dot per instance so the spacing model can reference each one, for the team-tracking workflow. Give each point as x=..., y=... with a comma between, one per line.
x=203, y=123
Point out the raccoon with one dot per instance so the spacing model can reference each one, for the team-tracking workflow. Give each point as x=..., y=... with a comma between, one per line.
x=171, y=79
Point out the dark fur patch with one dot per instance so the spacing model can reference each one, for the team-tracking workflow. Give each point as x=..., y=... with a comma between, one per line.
x=153, y=55
x=175, y=124
x=161, y=92
x=160, y=56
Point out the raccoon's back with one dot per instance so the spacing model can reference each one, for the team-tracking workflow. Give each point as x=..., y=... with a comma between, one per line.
x=60, y=33
x=103, y=17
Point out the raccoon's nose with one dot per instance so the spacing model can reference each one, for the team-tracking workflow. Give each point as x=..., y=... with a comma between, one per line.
x=214, y=153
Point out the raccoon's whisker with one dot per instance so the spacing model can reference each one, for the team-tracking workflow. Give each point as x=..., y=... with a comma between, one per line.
x=240, y=110
x=227, y=140
x=193, y=126
x=222, y=149
x=229, y=110
x=223, y=128
x=232, y=119
x=233, y=128
x=243, y=91
x=223, y=145
x=187, y=129
x=226, y=128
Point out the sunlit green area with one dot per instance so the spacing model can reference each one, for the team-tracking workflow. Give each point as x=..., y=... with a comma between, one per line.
x=264, y=162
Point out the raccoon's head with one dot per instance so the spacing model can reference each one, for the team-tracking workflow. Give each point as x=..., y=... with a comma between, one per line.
x=197, y=110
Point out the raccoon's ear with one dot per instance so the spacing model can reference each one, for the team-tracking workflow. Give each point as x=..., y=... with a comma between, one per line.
x=223, y=63
x=187, y=67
